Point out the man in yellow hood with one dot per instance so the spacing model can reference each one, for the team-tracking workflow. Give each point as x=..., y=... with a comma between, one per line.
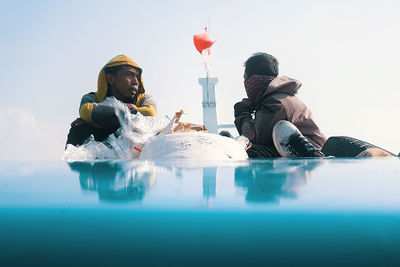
x=121, y=78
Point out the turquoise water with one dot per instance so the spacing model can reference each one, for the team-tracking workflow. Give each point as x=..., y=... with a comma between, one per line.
x=270, y=212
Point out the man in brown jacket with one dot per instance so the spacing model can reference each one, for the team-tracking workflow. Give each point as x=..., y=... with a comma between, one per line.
x=272, y=98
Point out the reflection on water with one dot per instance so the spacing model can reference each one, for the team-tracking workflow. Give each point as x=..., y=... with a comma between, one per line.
x=348, y=215
x=263, y=180
x=269, y=181
x=209, y=182
x=114, y=181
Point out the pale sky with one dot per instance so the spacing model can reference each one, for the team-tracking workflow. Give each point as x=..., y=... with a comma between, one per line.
x=346, y=54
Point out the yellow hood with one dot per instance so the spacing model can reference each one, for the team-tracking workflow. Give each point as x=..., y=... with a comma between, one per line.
x=119, y=60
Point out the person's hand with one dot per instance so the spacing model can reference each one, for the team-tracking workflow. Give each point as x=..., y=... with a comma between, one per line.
x=248, y=102
x=242, y=107
x=131, y=106
x=78, y=122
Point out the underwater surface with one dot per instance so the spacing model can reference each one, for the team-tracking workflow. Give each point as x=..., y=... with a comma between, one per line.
x=267, y=212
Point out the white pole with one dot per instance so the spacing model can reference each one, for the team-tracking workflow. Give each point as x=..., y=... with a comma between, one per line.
x=209, y=103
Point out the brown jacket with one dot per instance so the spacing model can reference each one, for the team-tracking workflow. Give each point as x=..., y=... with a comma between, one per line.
x=279, y=102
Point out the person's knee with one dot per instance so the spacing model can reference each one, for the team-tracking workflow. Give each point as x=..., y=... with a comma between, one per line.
x=374, y=153
x=78, y=134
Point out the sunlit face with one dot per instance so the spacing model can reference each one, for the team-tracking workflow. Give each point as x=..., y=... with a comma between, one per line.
x=124, y=85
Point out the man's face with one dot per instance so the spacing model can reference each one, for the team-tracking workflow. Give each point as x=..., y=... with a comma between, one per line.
x=246, y=75
x=124, y=84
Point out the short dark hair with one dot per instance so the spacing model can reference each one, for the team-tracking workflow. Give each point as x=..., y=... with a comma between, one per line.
x=113, y=70
x=261, y=64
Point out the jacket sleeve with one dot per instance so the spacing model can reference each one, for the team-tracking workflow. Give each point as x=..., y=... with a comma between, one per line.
x=147, y=106
x=243, y=114
x=259, y=129
x=91, y=111
x=86, y=107
x=104, y=115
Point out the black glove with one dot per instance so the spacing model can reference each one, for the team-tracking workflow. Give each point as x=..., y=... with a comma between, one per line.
x=241, y=107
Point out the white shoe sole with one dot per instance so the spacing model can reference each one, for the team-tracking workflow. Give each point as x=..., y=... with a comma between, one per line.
x=280, y=135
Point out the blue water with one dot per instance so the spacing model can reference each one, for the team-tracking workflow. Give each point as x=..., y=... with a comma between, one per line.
x=269, y=212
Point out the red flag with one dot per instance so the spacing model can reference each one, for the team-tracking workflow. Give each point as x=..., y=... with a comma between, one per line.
x=202, y=41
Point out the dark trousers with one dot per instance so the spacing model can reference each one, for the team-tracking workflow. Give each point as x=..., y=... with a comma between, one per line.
x=260, y=151
x=337, y=146
x=345, y=146
x=78, y=134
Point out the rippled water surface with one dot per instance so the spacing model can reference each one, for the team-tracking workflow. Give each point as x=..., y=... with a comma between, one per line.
x=346, y=211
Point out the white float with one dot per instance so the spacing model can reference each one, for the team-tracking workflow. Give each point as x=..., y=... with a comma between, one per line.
x=193, y=145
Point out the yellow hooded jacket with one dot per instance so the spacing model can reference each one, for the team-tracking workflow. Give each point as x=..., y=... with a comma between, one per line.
x=89, y=103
